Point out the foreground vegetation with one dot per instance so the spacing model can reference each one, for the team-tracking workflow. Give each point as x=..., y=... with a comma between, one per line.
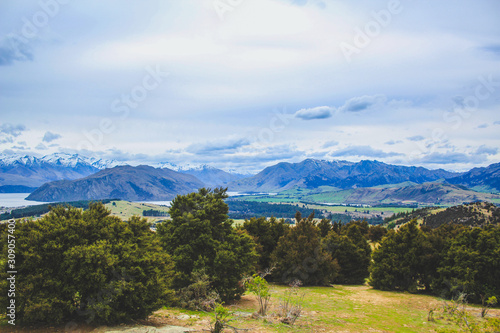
x=356, y=308
x=91, y=267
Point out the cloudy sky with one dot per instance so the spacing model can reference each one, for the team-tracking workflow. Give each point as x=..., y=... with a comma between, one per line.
x=243, y=84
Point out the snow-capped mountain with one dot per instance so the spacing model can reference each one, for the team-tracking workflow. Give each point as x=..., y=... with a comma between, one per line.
x=34, y=171
x=209, y=175
x=184, y=167
x=57, y=159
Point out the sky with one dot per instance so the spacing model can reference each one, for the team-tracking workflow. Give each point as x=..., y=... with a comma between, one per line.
x=245, y=84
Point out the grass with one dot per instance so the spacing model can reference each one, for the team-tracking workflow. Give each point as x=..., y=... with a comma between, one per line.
x=341, y=209
x=337, y=309
x=126, y=209
x=357, y=308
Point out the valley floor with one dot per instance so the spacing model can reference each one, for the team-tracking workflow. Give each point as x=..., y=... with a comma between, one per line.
x=326, y=309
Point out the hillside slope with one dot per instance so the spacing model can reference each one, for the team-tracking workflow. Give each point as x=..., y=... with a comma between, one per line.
x=475, y=214
x=341, y=174
x=121, y=182
x=488, y=177
x=423, y=194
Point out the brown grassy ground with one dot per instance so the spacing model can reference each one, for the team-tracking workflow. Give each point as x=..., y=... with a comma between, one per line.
x=326, y=309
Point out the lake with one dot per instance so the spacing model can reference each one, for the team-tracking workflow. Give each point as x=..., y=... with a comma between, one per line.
x=16, y=200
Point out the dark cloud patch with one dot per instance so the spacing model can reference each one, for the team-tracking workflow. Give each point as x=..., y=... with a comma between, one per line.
x=218, y=147
x=8, y=152
x=362, y=103
x=483, y=126
x=121, y=156
x=251, y=160
x=459, y=101
x=416, y=138
x=330, y=143
x=41, y=146
x=49, y=137
x=452, y=158
x=281, y=152
x=365, y=151
x=8, y=132
x=484, y=150
x=492, y=49
x=12, y=130
x=393, y=142
x=319, y=112
x=13, y=49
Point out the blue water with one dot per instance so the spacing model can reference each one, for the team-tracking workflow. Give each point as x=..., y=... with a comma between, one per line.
x=16, y=200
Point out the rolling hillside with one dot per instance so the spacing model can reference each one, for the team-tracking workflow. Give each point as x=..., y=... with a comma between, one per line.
x=422, y=194
x=121, y=182
x=487, y=178
x=475, y=214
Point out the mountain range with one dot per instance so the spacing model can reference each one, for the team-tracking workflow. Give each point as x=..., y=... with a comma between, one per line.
x=30, y=171
x=24, y=173
x=139, y=183
x=63, y=177
x=312, y=173
x=485, y=179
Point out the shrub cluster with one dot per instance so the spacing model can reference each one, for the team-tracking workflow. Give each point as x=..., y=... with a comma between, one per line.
x=442, y=261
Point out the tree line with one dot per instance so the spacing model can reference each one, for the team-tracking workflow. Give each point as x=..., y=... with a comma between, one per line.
x=38, y=210
x=88, y=266
x=444, y=261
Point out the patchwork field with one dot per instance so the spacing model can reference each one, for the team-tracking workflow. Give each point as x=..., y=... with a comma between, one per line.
x=126, y=209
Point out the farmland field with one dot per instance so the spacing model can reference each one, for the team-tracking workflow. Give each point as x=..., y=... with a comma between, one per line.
x=126, y=209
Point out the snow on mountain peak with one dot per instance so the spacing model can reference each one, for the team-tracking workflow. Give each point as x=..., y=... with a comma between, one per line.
x=58, y=159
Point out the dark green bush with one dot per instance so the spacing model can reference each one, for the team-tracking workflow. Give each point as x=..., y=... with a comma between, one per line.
x=88, y=266
x=200, y=237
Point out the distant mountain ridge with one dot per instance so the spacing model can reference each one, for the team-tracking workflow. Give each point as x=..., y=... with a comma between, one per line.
x=25, y=172
x=57, y=159
x=487, y=177
x=139, y=183
x=209, y=175
x=213, y=177
x=31, y=171
x=68, y=177
x=312, y=173
x=422, y=194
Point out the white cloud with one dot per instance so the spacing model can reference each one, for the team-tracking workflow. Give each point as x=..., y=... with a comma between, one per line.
x=319, y=112
x=416, y=138
x=11, y=129
x=363, y=151
x=362, y=103
x=228, y=76
x=49, y=136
